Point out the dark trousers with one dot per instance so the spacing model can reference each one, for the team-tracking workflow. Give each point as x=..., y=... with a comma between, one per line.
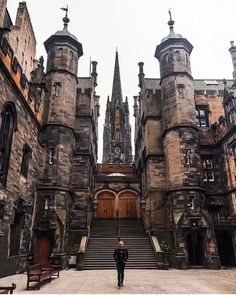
x=120, y=273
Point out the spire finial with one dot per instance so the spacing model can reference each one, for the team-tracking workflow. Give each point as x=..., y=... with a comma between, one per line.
x=65, y=19
x=171, y=22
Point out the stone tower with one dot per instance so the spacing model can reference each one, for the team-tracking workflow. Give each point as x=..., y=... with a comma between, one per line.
x=58, y=135
x=117, y=130
x=185, y=193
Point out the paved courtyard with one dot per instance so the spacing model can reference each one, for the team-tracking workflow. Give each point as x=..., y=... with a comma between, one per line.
x=136, y=281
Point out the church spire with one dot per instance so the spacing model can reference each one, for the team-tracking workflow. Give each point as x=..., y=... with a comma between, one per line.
x=116, y=89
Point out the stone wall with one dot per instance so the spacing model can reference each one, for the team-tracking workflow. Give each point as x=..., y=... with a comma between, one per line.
x=17, y=185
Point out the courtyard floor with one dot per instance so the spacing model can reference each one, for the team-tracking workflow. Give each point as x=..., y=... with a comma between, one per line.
x=136, y=281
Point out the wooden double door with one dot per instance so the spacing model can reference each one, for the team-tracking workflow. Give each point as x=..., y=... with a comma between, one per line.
x=126, y=205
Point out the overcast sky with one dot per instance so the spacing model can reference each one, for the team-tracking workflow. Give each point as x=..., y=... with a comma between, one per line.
x=136, y=28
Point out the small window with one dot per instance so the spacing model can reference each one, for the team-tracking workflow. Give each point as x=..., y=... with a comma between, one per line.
x=25, y=160
x=188, y=157
x=47, y=203
x=191, y=202
x=167, y=58
x=187, y=59
x=1, y=210
x=181, y=90
x=59, y=52
x=208, y=172
x=57, y=89
x=202, y=116
x=177, y=55
x=51, y=155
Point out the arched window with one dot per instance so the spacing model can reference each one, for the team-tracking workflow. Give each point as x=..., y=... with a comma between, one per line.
x=8, y=126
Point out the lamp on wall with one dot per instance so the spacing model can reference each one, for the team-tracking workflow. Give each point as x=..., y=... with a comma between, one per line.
x=95, y=204
x=143, y=204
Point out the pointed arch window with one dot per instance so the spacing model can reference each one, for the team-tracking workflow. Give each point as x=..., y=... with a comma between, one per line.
x=27, y=152
x=8, y=126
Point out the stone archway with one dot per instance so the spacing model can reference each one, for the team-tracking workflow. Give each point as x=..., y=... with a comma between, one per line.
x=106, y=205
x=128, y=205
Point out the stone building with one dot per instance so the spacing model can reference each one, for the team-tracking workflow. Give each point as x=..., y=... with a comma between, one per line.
x=184, y=156
x=48, y=144
x=181, y=184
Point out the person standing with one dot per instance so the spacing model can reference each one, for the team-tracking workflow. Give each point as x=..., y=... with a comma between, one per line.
x=121, y=256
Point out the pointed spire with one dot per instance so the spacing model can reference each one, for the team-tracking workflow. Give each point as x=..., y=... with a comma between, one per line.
x=116, y=89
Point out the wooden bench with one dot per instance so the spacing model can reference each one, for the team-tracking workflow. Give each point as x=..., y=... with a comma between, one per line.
x=8, y=289
x=37, y=275
x=54, y=269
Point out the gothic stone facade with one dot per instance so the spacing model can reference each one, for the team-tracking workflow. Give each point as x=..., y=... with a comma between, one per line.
x=48, y=144
x=185, y=158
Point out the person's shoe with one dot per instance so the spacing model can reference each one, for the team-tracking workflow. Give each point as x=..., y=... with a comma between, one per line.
x=118, y=286
x=122, y=285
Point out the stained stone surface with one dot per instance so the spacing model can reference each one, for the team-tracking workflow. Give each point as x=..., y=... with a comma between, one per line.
x=136, y=281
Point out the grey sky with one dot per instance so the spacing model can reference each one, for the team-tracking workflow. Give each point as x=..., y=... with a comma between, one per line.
x=136, y=27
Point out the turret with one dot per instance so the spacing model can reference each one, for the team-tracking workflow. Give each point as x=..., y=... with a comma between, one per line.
x=63, y=51
x=173, y=54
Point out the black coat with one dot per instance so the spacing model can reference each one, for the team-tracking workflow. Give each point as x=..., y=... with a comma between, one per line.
x=120, y=256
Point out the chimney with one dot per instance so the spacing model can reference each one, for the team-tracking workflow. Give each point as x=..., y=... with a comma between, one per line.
x=232, y=51
x=141, y=74
x=94, y=72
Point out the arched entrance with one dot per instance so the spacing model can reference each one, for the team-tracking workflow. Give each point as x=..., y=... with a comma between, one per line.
x=106, y=205
x=225, y=248
x=127, y=205
x=195, y=247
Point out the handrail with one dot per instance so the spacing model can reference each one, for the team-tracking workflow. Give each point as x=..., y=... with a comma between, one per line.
x=118, y=225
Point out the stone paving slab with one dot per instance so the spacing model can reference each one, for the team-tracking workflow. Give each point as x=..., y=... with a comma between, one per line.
x=136, y=282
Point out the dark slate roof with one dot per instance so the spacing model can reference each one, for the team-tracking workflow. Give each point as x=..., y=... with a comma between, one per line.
x=84, y=82
x=65, y=32
x=150, y=83
x=172, y=35
x=210, y=84
x=199, y=84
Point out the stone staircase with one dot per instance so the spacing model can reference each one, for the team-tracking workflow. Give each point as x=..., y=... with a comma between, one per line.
x=103, y=240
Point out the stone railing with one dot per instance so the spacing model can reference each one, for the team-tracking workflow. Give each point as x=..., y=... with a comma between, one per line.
x=81, y=253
